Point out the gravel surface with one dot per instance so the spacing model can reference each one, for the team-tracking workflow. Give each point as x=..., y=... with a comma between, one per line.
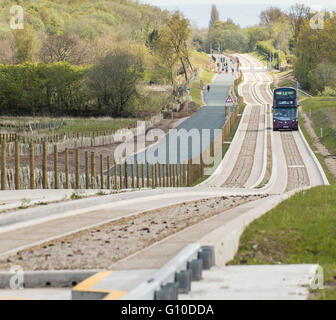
x=98, y=248
x=243, y=166
x=297, y=172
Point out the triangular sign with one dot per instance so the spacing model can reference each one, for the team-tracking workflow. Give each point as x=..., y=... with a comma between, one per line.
x=229, y=100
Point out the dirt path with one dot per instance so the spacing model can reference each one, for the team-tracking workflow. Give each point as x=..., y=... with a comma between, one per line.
x=319, y=147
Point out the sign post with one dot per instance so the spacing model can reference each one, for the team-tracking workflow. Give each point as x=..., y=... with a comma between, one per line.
x=229, y=104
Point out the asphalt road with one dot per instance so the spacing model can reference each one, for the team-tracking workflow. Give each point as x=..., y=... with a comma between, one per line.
x=196, y=133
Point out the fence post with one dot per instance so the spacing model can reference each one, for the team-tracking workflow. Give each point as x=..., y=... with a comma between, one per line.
x=143, y=174
x=147, y=169
x=32, y=165
x=44, y=165
x=177, y=175
x=164, y=175
x=160, y=175
x=133, y=181
x=93, y=170
x=156, y=174
x=138, y=175
x=67, y=181
x=121, y=175
x=17, y=165
x=77, y=169
x=3, y=165
x=115, y=175
x=108, y=172
x=87, y=171
x=189, y=173
x=153, y=175
x=56, y=165
x=102, y=184
x=126, y=174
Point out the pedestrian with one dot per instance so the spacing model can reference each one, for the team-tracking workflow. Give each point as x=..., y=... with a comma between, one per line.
x=208, y=87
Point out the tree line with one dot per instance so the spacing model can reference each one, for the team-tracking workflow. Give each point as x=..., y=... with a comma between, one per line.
x=103, y=77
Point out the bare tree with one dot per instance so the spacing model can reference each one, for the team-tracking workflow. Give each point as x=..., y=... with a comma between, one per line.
x=66, y=47
x=297, y=14
x=271, y=14
x=214, y=16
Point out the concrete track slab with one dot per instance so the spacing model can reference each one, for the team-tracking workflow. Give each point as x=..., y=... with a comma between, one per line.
x=281, y=282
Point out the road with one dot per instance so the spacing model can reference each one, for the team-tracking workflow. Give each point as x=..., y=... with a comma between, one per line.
x=258, y=162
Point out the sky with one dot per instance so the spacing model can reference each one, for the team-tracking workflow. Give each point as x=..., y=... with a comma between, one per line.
x=244, y=12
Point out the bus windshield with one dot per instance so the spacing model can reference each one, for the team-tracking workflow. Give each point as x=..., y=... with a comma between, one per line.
x=285, y=93
x=285, y=114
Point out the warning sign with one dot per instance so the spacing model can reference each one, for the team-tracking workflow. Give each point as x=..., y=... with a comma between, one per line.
x=229, y=100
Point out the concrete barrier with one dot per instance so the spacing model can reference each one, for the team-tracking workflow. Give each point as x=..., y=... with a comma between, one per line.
x=46, y=279
x=177, y=273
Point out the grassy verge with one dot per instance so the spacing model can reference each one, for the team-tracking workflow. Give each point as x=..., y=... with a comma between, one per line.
x=318, y=156
x=299, y=230
x=323, y=115
x=260, y=57
x=206, y=75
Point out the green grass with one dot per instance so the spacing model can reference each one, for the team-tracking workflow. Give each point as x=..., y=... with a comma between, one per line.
x=259, y=56
x=206, y=75
x=80, y=125
x=323, y=115
x=318, y=156
x=300, y=230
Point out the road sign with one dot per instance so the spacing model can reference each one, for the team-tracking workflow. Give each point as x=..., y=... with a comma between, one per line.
x=229, y=100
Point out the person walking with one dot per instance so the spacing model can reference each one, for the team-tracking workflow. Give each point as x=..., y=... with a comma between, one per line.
x=208, y=88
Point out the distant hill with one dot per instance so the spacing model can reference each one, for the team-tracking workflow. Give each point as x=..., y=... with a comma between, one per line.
x=85, y=23
x=88, y=18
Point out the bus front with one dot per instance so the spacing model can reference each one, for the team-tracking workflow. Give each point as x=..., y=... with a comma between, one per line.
x=285, y=109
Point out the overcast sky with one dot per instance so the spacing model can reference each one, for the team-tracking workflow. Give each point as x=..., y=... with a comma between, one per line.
x=244, y=12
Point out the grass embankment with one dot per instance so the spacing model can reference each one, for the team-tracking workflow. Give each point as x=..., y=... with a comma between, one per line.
x=323, y=115
x=260, y=57
x=200, y=60
x=300, y=230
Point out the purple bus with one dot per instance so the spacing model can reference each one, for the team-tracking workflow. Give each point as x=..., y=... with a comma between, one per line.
x=285, y=109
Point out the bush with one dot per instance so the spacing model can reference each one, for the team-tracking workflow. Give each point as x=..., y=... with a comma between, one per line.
x=41, y=89
x=267, y=48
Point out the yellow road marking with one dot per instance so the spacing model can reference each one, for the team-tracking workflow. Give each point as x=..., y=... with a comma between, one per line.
x=87, y=285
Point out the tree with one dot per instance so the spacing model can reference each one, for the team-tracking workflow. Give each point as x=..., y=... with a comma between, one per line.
x=113, y=81
x=67, y=47
x=173, y=43
x=24, y=44
x=214, y=16
x=297, y=14
x=316, y=60
x=271, y=14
